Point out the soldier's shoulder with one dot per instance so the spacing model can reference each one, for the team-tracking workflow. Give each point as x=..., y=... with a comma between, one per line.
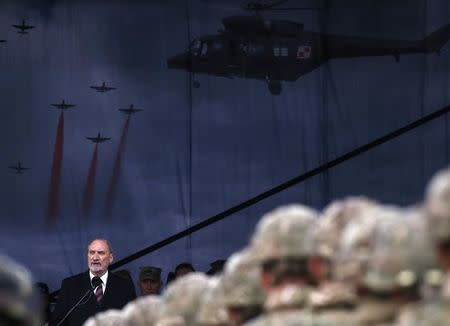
x=257, y=321
x=337, y=317
x=439, y=315
x=299, y=317
x=410, y=313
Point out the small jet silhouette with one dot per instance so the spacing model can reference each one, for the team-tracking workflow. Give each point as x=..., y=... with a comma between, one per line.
x=18, y=168
x=23, y=27
x=98, y=139
x=130, y=110
x=63, y=105
x=103, y=88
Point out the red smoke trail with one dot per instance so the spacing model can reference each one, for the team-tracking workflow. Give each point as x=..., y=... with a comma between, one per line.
x=89, y=190
x=111, y=195
x=55, y=179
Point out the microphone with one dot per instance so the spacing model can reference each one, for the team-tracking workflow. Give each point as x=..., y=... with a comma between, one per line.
x=96, y=281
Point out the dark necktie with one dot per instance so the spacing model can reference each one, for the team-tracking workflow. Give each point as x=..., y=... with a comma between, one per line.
x=99, y=293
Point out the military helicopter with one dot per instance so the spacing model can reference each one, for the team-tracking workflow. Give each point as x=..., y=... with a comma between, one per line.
x=281, y=50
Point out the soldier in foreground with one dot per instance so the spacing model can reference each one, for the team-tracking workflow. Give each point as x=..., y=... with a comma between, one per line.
x=242, y=291
x=328, y=230
x=282, y=247
x=181, y=300
x=398, y=261
x=334, y=302
x=18, y=300
x=142, y=311
x=211, y=311
x=437, y=207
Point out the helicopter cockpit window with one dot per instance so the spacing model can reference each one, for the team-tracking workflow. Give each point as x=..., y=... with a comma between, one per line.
x=201, y=48
x=195, y=47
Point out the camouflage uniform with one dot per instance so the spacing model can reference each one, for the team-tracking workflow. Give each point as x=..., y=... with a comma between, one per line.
x=289, y=317
x=355, y=246
x=181, y=300
x=283, y=236
x=19, y=303
x=424, y=265
x=333, y=302
x=437, y=207
x=431, y=297
x=112, y=317
x=400, y=257
x=142, y=311
x=211, y=311
x=329, y=227
x=241, y=285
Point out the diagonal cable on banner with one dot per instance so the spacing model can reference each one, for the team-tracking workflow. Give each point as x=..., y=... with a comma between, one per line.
x=292, y=182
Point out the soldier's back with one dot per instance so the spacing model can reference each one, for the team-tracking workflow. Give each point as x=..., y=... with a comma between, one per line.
x=376, y=313
x=335, y=317
x=301, y=317
x=410, y=315
x=437, y=314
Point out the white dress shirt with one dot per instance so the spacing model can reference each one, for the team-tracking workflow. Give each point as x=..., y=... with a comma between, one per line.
x=104, y=279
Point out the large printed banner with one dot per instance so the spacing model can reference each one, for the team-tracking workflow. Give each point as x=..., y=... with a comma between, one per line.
x=133, y=121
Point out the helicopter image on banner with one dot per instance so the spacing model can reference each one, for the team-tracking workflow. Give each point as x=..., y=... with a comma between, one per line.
x=281, y=50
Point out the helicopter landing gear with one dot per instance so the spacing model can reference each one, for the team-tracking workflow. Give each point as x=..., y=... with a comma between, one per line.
x=274, y=86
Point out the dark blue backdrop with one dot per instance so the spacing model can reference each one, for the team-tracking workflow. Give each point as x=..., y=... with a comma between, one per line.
x=195, y=152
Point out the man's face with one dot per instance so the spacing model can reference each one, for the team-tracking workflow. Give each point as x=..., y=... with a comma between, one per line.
x=99, y=257
x=149, y=287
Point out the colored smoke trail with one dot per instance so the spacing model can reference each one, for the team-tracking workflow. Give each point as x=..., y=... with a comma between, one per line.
x=112, y=190
x=89, y=190
x=55, y=179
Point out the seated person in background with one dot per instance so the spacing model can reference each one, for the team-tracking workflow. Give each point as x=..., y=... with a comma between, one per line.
x=183, y=269
x=149, y=280
x=170, y=278
x=216, y=267
x=124, y=273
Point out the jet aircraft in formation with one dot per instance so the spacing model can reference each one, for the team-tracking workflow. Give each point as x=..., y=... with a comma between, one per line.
x=63, y=105
x=102, y=88
x=23, y=28
x=130, y=110
x=98, y=139
x=18, y=168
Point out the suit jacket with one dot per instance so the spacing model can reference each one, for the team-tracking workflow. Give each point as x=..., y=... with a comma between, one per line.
x=119, y=291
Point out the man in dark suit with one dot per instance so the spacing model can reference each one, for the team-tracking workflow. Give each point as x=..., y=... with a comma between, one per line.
x=94, y=290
